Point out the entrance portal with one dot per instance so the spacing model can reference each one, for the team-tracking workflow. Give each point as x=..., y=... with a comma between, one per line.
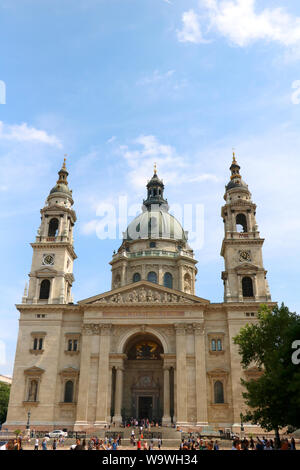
x=145, y=407
x=143, y=378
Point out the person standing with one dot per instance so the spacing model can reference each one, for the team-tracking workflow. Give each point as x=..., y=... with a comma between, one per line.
x=54, y=444
x=36, y=443
x=216, y=446
x=115, y=445
x=44, y=444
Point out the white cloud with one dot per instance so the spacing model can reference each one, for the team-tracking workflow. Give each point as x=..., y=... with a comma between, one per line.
x=241, y=23
x=146, y=150
x=155, y=77
x=295, y=98
x=191, y=30
x=164, y=84
x=24, y=133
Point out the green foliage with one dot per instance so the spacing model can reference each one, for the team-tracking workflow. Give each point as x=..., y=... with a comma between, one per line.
x=274, y=398
x=4, y=398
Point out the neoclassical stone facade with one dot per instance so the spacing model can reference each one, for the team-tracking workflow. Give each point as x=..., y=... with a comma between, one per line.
x=149, y=347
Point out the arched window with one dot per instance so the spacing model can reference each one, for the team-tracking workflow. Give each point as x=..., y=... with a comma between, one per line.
x=136, y=277
x=32, y=391
x=219, y=345
x=45, y=289
x=152, y=277
x=53, y=228
x=69, y=392
x=168, y=280
x=219, y=392
x=213, y=345
x=247, y=286
x=241, y=223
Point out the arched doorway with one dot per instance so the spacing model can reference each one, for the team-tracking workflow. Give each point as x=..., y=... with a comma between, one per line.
x=143, y=378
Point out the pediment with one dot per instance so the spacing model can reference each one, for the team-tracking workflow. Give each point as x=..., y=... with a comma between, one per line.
x=253, y=372
x=246, y=267
x=144, y=292
x=69, y=371
x=46, y=271
x=218, y=372
x=34, y=370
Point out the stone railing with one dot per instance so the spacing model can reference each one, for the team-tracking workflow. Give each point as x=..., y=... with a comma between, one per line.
x=163, y=253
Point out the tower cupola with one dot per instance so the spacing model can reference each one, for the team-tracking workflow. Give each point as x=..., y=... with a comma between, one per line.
x=155, y=193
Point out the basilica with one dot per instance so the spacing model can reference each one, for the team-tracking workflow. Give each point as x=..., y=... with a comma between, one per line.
x=149, y=347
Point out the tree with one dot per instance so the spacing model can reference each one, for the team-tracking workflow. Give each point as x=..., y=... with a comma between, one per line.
x=4, y=397
x=273, y=398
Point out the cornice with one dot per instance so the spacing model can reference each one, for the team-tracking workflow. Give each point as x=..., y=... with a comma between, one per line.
x=228, y=306
x=47, y=245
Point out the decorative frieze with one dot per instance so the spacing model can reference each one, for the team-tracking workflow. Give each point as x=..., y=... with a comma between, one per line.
x=90, y=329
x=142, y=295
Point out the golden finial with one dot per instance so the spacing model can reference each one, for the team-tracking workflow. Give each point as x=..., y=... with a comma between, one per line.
x=65, y=159
x=233, y=156
x=155, y=169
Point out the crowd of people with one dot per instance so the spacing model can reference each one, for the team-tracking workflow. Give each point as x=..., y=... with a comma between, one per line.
x=139, y=442
x=263, y=444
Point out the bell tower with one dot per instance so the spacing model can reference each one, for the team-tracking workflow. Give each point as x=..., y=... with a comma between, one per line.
x=51, y=276
x=244, y=276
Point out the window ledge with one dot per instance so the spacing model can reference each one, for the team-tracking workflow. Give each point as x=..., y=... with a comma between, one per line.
x=219, y=404
x=66, y=404
x=31, y=403
x=217, y=353
x=36, y=351
x=71, y=353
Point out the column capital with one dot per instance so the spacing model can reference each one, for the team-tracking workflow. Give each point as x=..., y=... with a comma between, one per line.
x=180, y=329
x=89, y=329
x=106, y=329
x=199, y=328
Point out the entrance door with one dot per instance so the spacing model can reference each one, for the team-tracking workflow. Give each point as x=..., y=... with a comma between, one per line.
x=145, y=407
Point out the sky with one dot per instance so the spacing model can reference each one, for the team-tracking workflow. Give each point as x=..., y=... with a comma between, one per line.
x=120, y=84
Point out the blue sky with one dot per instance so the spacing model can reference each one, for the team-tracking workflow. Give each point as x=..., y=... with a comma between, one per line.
x=119, y=84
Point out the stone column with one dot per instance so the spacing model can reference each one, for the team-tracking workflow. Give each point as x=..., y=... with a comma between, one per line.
x=180, y=279
x=103, y=376
x=118, y=395
x=123, y=274
x=160, y=275
x=181, y=375
x=166, y=421
x=37, y=291
x=201, y=386
x=255, y=287
x=51, y=290
x=239, y=289
x=108, y=414
x=84, y=375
